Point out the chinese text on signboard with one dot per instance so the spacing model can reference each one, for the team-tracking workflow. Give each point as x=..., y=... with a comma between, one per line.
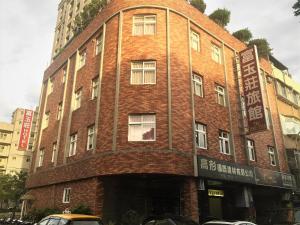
x=25, y=130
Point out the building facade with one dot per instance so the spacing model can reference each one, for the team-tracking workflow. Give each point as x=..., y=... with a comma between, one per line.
x=17, y=141
x=144, y=111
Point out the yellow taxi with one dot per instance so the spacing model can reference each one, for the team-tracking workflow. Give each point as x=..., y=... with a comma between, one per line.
x=70, y=219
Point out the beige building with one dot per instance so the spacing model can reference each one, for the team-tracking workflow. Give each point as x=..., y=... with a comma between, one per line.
x=17, y=140
x=67, y=11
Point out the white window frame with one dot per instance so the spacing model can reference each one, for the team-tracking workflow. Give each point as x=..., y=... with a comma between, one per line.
x=221, y=94
x=224, y=139
x=82, y=58
x=66, y=195
x=73, y=144
x=144, y=23
x=41, y=157
x=99, y=43
x=59, y=111
x=251, y=150
x=201, y=130
x=141, y=124
x=46, y=119
x=95, y=87
x=216, y=53
x=143, y=69
x=51, y=85
x=198, y=82
x=64, y=76
x=195, y=41
x=271, y=153
x=90, y=138
x=54, y=150
x=77, y=99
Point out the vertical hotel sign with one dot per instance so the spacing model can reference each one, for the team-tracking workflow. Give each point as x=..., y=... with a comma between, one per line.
x=25, y=130
x=252, y=90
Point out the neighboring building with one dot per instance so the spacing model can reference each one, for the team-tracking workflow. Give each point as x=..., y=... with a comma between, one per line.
x=144, y=111
x=17, y=140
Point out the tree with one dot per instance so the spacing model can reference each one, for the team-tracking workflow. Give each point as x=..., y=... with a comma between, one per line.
x=263, y=47
x=221, y=17
x=199, y=4
x=88, y=13
x=243, y=35
x=296, y=7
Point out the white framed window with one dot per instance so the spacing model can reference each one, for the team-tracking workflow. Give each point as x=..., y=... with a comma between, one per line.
x=73, y=144
x=66, y=195
x=198, y=85
x=59, y=111
x=281, y=89
x=201, y=136
x=46, y=119
x=251, y=150
x=77, y=99
x=95, y=87
x=41, y=157
x=195, y=41
x=271, y=152
x=220, y=94
x=99, y=43
x=216, y=53
x=142, y=127
x=144, y=25
x=54, y=149
x=296, y=97
x=51, y=86
x=289, y=94
x=90, y=137
x=82, y=59
x=143, y=72
x=224, y=142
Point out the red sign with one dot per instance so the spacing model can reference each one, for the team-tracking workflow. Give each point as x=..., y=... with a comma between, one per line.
x=252, y=90
x=25, y=130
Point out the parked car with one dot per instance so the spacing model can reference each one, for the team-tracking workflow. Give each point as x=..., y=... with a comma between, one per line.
x=220, y=222
x=70, y=219
x=169, y=220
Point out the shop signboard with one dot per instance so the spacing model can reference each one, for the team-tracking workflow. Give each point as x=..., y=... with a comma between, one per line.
x=222, y=170
x=273, y=178
x=252, y=90
x=25, y=130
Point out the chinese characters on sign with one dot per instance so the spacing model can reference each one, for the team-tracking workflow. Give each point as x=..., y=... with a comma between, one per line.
x=224, y=170
x=25, y=130
x=252, y=90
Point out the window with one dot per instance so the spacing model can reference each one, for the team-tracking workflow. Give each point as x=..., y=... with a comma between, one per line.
x=3, y=135
x=251, y=150
x=95, y=85
x=41, y=158
x=77, y=100
x=99, y=43
x=91, y=137
x=144, y=25
x=220, y=92
x=54, y=148
x=268, y=118
x=73, y=143
x=46, y=119
x=216, y=53
x=143, y=72
x=281, y=89
x=201, y=136
x=51, y=86
x=195, y=41
x=198, y=85
x=271, y=152
x=296, y=97
x=141, y=127
x=14, y=158
x=224, y=142
x=67, y=195
x=64, y=77
x=82, y=59
x=59, y=111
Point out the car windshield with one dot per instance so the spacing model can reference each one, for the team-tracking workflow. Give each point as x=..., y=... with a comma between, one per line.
x=86, y=222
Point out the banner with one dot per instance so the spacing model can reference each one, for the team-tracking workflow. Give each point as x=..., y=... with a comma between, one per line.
x=25, y=130
x=252, y=90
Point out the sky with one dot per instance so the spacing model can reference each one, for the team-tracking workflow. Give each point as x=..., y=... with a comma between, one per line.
x=27, y=32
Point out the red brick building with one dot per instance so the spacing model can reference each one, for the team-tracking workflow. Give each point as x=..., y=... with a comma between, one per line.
x=137, y=104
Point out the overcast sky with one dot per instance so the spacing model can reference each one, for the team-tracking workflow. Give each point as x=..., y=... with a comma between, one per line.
x=27, y=31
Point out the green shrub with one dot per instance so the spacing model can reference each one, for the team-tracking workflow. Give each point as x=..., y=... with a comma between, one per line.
x=36, y=215
x=82, y=209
